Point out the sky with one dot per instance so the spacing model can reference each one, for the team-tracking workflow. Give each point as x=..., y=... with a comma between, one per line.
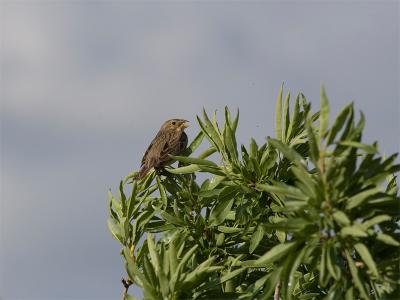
x=85, y=85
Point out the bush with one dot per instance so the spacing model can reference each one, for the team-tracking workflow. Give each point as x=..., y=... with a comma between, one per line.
x=311, y=214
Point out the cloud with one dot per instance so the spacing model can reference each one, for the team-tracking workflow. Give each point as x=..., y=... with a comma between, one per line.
x=86, y=85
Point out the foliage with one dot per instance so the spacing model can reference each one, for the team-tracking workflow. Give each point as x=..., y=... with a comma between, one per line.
x=310, y=214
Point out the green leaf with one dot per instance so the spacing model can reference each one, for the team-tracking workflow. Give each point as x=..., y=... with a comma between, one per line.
x=350, y=294
x=375, y=220
x=210, y=131
x=282, y=189
x=359, y=198
x=230, y=143
x=256, y=238
x=220, y=238
x=281, y=235
x=354, y=231
x=173, y=257
x=268, y=159
x=122, y=197
x=132, y=201
x=182, y=263
x=115, y=230
x=332, y=267
x=149, y=272
x=226, y=229
x=172, y=219
x=207, y=152
x=212, y=170
x=278, y=115
x=253, y=148
x=220, y=211
x=309, y=185
x=323, y=270
x=195, y=143
x=271, y=256
x=114, y=206
x=229, y=137
x=387, y=239
x=356, y=278
x=370, y=149
x=215, y=181
x=312, y=142
x=286, y=117
x=269, y=283
x=235, y=121
x=339, y=122
x=197, y=276
x=291, y=278
x=324, y=115
x=132, y=270
x=155, y=260
x=341, y=218
x=288, y=152
x=367, y=258
x=294, y=120
x=194, y=160
x=163, y=193
x=129, y=176
x=231, y=274
x=184, y=170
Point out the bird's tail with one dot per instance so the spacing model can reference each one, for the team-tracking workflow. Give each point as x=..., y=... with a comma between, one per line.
x=143, y=172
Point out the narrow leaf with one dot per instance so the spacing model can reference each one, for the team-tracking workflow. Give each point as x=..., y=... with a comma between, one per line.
x=354, y=231
x=282, y=189
x=278, y=115
x=387, y=239
x=375, y=220
x=184, y=170
x=286, y=118
x=370, y=149
x=220, y=211
x=359, y=198
x=163, y=193
x=341, y=218
x=256, y=238
x=194, y=160
x=339, y=122
x=366, y=257
x=356, y=278
x=324, y=115
x=271, y=256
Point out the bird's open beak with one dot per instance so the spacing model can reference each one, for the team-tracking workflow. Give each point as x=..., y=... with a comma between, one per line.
x=185, y=124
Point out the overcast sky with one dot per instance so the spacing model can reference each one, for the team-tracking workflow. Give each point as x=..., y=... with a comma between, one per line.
x=85, y=85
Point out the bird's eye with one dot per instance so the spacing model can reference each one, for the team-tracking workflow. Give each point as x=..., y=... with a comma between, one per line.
x=173, y=123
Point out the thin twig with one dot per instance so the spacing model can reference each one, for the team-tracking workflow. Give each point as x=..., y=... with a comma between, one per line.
x=126, y=283
x=277, y=290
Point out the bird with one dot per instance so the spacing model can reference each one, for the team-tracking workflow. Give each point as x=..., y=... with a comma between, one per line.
x=170, y=140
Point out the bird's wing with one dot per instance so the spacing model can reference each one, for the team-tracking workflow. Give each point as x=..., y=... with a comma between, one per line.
x=162, y=146
x=173, y=146
x=153, y=147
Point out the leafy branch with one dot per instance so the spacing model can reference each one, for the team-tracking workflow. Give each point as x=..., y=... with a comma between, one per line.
x=311, y=213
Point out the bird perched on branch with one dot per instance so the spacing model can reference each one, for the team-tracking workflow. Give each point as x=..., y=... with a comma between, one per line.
x=170, y=140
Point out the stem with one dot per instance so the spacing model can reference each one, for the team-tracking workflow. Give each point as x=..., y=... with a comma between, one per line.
x=126, y=283
x=277, y=290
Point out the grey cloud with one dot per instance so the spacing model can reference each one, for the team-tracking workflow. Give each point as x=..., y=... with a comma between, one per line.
x=86, y=85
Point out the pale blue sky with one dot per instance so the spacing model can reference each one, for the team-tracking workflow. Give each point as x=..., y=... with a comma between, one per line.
x=85, y=86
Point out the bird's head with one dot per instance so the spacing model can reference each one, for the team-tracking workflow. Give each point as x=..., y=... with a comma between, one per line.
x=175, y=124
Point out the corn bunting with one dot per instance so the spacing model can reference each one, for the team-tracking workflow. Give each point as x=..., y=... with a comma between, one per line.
x=170, y=140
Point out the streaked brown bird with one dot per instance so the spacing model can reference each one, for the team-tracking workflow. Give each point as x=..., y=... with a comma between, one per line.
x=170, y=140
